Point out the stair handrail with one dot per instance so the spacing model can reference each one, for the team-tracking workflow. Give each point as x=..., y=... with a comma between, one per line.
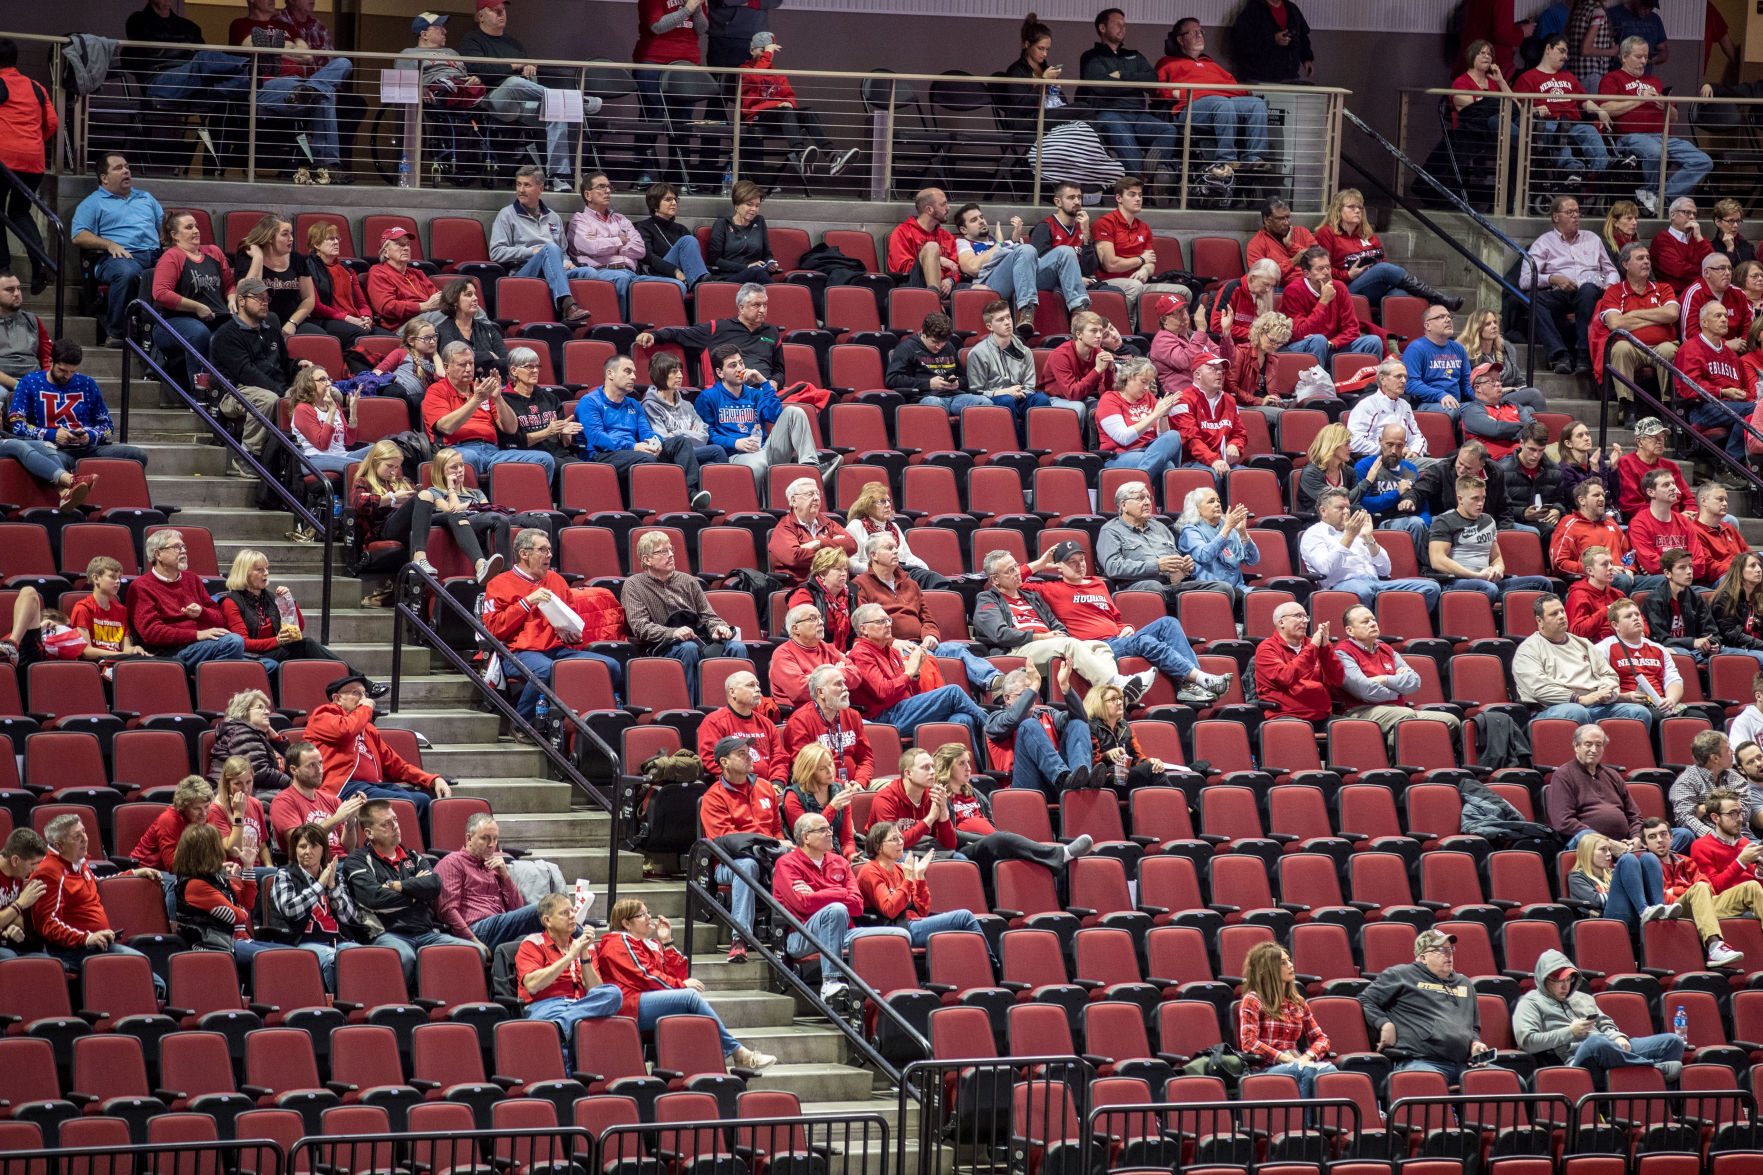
x=56, y=264
x=707, y=852
x=1661, y=364
x=145, y=314
x=413, y=582
x=1412, y=209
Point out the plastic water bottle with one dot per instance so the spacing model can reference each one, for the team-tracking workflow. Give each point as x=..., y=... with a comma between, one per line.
x=336, y=514
x=542, y=717
x=404, y=170
x=728, y=180
x=1680, y=1024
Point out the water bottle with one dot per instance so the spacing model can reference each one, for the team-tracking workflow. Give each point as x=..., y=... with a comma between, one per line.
x=404, y=170
x=542, y=717
x=336, y=515
x=284, y=603
x=728, y=180
x=1680, y=1024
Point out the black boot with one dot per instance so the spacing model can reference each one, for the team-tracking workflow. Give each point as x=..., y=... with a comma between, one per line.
x=1413, y=285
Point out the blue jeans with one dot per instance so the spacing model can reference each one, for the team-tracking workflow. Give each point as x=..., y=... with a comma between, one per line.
x=681, y=1001
x=1581, y=138
x=519, y=98
x=230, y=647
x=1681, y=840
x=688, y=258
x=1157, y=458
x=1163, y=644
x=1692, y=164
x=419, y=798
x=327, y=959
x=709, y=454
x=1306, y=1075
x=1367, y=589
x=1415, y=527
x=482, y=456
x=831, y=926
x=1380, y=279
x=1315, y=346
x=1235, y=126
x=1636, y=881
x=1600, y=1054
x=1493, y=591
x=276, y=97
x=1706, y=415
x=950, y=703
x=338, y=462
x=495, y=929
x=123, y=276
x=1451, y=1071
x=550, y=264
x=46, y=461
x=535, y=665
x=187, y=327
x=742, y=900
x=1038, y=764
x=980, y=671
x=1021, y=274
x=408, y=944
x=207, y=71
x=1132, y=135
x=919, y=930
x=1580, y=715
x=687, y=653
x=1438, y=406
x=622, y=279
x=601, y=1001
x=1018, y=405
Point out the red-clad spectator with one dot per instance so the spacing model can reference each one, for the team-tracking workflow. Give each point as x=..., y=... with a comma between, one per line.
x=1641, y=122
x=1645, y=308
x=1321, y=310
x=1726, y=856
x=916, y=804
x=1717, y=541
x=815, y=787
x=1357, y=259
x=339, y=304
x=751, y=714
x=1587, y=527
x=304, y=801
x=738, y=804
x=899, y=683
x=1715, y=285
x=829, y=720
x=397, y=290
x=1482, y=74
x=69, y=918
x=804, y=531
x=188, y=808
x=101, y=615
x=794, y=661
x=1124, y=257
x=1296, y=674
x=556, y=977
x=829, y=591
x=921, y=251
x=1211, y=430
x=1710, y=366
x=1660, y=528
x=173, y=614
x=28, y=122
x=818, y=887
x=1648, y=455
x=1680, y=248
x=1252, y=297
x=515, y=605
x=357, y=759
x=1081, y=369
x=1279, y=240
x=1589, y=599
x=1177, y=345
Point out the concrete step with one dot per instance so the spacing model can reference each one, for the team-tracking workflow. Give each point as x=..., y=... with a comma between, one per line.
x=590, y=864
x=202, y=491
x=283, y=555
x=309, y=590
x=792, y=1043
x=536, y=795
x=445, y=726
x=239, y=524
x=166, y=460
x=714, y=970
x=582, y=829
x=435, y=691
x=813, y=1083
x=375, y=660
x=763, y=1011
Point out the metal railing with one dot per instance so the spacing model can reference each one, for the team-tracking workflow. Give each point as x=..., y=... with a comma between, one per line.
x=143, y=315
x=1510, y=158
x=415, y=585
x=701, y=883
x=1663, y=367
x=1394, y=193
x=452, y=1150
x=967, y=1121
x=812, y=1144
x=1652, y=1123
x=248, y=1157
x=55, y=263
x=968, y=134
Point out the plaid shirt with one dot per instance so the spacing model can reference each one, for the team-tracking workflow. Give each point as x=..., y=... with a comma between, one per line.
x=296, y=896
x=1264, y=1038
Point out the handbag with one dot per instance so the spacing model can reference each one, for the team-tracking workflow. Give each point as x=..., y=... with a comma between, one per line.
x=1220, y=1061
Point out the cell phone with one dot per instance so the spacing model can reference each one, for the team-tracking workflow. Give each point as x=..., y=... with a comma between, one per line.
x=1485, y=1057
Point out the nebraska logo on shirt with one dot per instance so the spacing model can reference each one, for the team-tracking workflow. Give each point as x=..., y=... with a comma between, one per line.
x=1024, y=616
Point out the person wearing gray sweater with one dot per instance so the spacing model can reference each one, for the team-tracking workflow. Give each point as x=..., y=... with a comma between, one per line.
x=527, y=238
x=1562, y=1025
x=1001, y=368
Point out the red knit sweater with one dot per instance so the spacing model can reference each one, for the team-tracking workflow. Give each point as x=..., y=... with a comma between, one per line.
x=156, y=611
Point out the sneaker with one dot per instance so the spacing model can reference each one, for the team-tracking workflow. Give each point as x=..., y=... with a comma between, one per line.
x=1575, y=180
x=808, y=155
x=737, y=952
x=995, y=687
x=1562, y=364
x=1670, y=1071
x=842, y=160
x=76, y=490
x=1138, y=685
x=1218, y=683
x=1079, y=847
x=488, y=569
x=1656, y=913
x=591, y=104
x=1719, y=954
x=557, y=184
x=834, y=992
x=829, y=465
x=300, y=534
x=701, y=500
x=1648, y=199
x=9, y=652
x=746, y=1058
x=1195, y=694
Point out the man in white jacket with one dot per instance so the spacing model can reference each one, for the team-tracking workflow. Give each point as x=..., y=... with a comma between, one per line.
x=1342, y=549
x=1386, y=406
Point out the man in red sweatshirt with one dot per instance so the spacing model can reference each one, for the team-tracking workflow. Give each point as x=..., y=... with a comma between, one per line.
x=1726, y=857
x=890, y=685
x=1080, y=369
x=818, y=887
x=173, y=614
x=1321, y=310
x=70, y=917
x=1295, y=674
x=1658, y=527
x=737, y=803
x=357, y=760
x=750, y=713
x=514, y=613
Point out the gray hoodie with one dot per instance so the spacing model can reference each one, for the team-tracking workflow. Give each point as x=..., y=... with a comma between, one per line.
x=990, y=369
x=1542, y=1024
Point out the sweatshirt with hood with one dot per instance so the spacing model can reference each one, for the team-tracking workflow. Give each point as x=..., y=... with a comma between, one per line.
x=1542, y=1025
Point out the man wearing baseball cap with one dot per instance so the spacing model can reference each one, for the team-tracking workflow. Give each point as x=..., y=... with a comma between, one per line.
x=1561, y=1024
x=1177, y=344
x=739, y=803
x=251, y=351
x=1427, y=1009
x=1489, y=420
x=1211, y=431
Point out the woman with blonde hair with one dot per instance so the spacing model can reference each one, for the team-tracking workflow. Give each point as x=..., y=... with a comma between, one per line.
x=814, y=787
x=1617, y=879
x=1276, y=1030
x=1622, y=226
x=271, y=624
x=1116, y=748
x=1246, y=377
x=246, y=733
x=267, y=254
x=873, y=513
x=238, y=815
x=1330, y=465
x=828, y=590
x=323, y=423
x=384, y=501
x=1356, y=256
x=450, y=503
x=951, y=767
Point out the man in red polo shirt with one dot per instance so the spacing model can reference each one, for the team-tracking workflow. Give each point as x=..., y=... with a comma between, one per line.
x=557, y=980
x=922, y=251
x=1640, y=122
x=1712, y=367
x=1715, y=285
x=1645, y=308
x=466, y=414
x=1124, y=257
x=734, y=804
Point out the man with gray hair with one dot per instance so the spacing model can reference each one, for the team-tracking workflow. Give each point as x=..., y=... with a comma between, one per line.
x=796, y=659
x=527, y=238
x=514, y=612
x=469, y=414
x=1386, y=406
x=1023, y=736
x=173, y=614
x=1342, y=550
x=69, y=918
x=804, y=532
x=829, y=720
x=670, y=615
x=1136, y=547
x=890, y=684
x=479, y=901
x=819, y=887
x=1630, y=94
x=1011, y=622
x=887, y=586
x=759, y=342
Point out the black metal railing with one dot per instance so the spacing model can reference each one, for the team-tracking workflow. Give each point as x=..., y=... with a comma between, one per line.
x=460, y=1151
x=144, y=315
x=55, y=263
x=1652, y=1123
x=967, y=1121
x=1663, y=367
x=1510, y=1124
x=1456, y=201
x=416, y=584
x=701, y=889
x=1246, y=1133
x=812, y=1144
x=248, y=1157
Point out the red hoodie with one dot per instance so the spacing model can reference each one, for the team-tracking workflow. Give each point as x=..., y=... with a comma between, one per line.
x=1588, y=610
x=353, y=749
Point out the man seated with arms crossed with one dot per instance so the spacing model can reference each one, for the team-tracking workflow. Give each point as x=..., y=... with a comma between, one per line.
x=1341, y=548
x=479, y=900
x=1429, y=1009
x=1559, y=1025
x=397, y=887
x=1710, y=366
x=1011, y=622
x=1296, y=675
x=1464, y=543
x=892, y=684
x=24, y=340
x=669, y=613
x=1082, y=603
x=1376, y=678
x=1376, y=411
x=739, y=803
x=1566, y=674
x=1647, y=309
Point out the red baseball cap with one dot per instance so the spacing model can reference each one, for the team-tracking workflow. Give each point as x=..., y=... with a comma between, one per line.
x=1207, y=358
x=1168, y=304
x=395, y=233
x=483, y=4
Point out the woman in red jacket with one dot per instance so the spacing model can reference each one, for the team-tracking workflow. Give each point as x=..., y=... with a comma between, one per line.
x=214, y=897
x=894, y=888
x=637, y=954
x=1356, y=256
x=270, y=622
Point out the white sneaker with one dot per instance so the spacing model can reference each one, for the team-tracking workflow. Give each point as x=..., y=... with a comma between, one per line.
x=1719, y=954
x=488, y=569
x=832, y=991
x=1194, y=694
x=1218, y=683
x=746, y=1058
x=1655, y=913
x=1139, y=684
x=1648, y=199
x=422, y=561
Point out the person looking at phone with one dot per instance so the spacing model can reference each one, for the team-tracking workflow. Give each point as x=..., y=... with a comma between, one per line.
x=1560, y=1024
x=1428, y=1010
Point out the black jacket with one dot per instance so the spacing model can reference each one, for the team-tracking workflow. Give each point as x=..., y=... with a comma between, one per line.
x=911, y=365
x=762, y=349
x=1102, y=64
x=1258, y=57
x=733, y=248
x=992, y=627
x=1738, y=630
x=1436, y=488
x=1697, y=620
x=488, y=348
x=407, y=910
x=1522, y=487
x=1436, y=1019
x=659, y=238
x=252, y=357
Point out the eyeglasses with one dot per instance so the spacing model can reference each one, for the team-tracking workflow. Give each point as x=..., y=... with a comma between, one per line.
x=1444, y=950
x=533, y=366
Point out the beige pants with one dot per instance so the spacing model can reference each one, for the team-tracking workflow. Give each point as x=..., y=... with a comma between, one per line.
x=262, y=399
x=1091, y=660
x=1707, y=908
x=1387, y=717
x=1625, y=358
